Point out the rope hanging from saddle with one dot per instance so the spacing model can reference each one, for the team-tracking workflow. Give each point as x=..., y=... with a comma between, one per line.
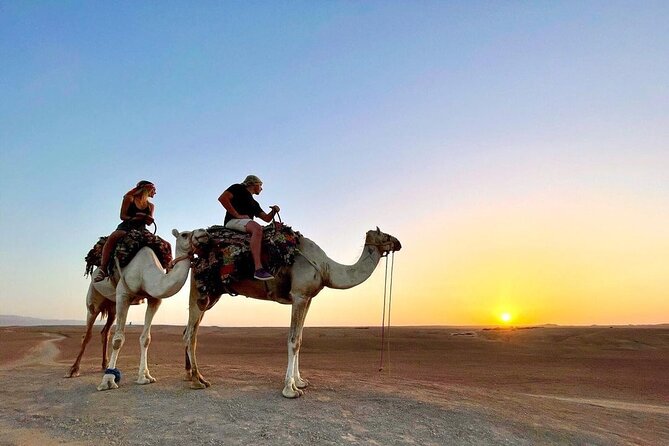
x=387, y=299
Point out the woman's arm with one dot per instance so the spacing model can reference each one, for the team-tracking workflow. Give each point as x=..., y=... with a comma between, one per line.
x=125, y=206
x=141, y=216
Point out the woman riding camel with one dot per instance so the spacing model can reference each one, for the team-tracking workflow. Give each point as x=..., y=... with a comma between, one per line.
x=136, y=213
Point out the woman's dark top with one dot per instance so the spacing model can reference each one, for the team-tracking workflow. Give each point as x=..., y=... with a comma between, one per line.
x=133, y=210
x=243, y=202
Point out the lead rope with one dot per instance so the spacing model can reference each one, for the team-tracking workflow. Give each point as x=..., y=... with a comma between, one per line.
x=390, y=300
x=387, y=297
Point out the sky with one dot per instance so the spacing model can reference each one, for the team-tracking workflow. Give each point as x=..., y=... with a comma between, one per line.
x=518, y=150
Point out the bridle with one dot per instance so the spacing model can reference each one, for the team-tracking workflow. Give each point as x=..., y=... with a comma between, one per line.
x=189, y=255
x=385, y=248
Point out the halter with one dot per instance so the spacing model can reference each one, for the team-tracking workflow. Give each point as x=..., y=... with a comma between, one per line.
x=386, y=247
x=189, y=255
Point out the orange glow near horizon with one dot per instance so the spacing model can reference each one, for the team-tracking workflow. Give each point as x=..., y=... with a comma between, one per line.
x=537, y=268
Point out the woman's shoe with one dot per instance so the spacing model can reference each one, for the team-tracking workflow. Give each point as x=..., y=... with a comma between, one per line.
x=100, y=276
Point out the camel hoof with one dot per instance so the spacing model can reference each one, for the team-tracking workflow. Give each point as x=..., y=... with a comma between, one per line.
x=301, y=383
x=146, y=380
x=72, y=374
x=108, y=382
x=199, y=383
x=292, y=392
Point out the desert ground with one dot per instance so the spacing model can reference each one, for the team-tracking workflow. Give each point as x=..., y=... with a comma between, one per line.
x=440, y=386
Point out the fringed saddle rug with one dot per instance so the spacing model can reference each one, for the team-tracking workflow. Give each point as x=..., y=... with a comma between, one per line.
x=127, y=247
x=227, y=256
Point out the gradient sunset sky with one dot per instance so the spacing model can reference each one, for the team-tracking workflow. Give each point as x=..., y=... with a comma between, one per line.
x=519, y=150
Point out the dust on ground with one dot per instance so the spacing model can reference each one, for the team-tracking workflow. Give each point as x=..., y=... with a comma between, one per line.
x=440, y=386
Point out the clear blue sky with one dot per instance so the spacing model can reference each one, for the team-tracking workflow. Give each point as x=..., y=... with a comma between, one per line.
x=519, y=150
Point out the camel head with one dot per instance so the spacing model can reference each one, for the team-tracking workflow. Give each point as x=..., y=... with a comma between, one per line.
x=385, y=242
x=189, y=241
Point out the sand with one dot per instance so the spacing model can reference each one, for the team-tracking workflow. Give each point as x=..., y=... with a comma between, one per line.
x=596, y=385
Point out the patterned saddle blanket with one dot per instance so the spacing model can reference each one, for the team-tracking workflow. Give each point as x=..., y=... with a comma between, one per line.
x=127, y=247
x=227, y=256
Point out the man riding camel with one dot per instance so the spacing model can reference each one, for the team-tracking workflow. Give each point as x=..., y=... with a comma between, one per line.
x=241, y=208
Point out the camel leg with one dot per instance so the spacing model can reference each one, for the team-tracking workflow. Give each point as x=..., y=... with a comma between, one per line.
x=187, y=336
x=122, y=306
x=186, y=359
x=190, y=338
x=90, y=319
x=300, y=382
x=104, y=334
x=144, y=341
x=300, y=306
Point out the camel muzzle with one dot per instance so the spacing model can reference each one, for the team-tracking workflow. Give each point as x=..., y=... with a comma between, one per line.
x=396, y=244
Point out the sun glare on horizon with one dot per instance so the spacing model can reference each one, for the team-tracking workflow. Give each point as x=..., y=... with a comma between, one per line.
x=505, y=317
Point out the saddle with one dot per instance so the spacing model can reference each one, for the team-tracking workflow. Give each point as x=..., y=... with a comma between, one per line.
x=127, y=247
x=227, y=258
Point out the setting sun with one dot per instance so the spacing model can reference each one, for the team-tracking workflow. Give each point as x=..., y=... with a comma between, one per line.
x=505, y=317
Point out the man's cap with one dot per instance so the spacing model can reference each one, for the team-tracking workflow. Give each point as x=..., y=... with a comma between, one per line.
x=251, y=179
x=144, y=183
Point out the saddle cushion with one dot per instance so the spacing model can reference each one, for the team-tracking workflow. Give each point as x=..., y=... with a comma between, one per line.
x=127, y=247
x=227, y=256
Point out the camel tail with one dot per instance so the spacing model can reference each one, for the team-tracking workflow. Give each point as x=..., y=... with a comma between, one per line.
x=106, y=308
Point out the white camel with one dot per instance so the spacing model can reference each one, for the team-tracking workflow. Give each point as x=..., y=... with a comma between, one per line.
x=143, y=278
x=295, y=285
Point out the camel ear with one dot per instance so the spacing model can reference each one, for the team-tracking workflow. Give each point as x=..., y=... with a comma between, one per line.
x=175, y=233
x=378, y=231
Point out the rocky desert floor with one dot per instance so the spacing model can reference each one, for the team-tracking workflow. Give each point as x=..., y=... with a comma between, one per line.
x=441, y=386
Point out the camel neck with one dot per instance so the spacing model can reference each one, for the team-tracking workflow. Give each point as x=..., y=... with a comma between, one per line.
x=168, y=284
x=340, y=276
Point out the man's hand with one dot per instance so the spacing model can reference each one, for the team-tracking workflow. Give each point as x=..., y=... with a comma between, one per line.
x=275, y=208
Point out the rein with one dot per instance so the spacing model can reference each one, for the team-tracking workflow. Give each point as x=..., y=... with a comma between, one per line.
x=188, y=255
x=297, y=250
x=385, y=327
x=318, y=269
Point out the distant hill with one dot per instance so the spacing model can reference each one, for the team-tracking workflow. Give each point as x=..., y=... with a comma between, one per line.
x=9, y=320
